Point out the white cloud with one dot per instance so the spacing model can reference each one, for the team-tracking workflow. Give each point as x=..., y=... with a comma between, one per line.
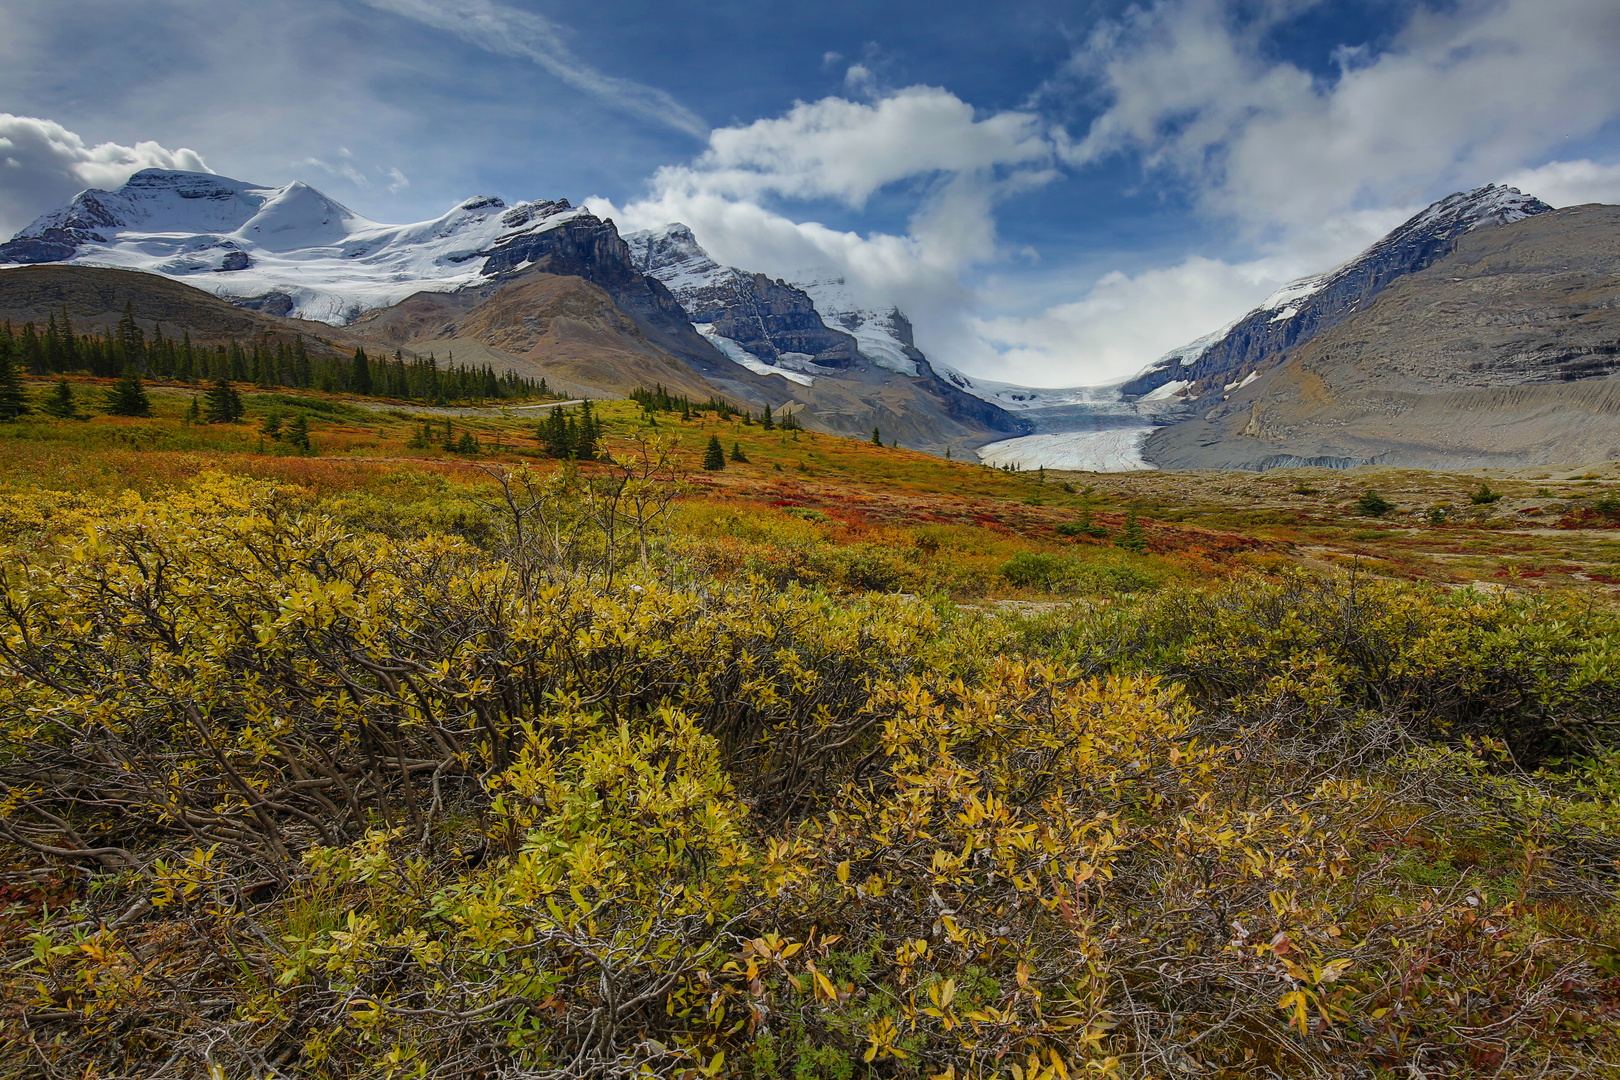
x=1461, y=97
x=398, y=180
x=508, y=31
x=846, y=151
x=1123, y=319
x=1311, y=170
x=1570, y=183
x=43, y=165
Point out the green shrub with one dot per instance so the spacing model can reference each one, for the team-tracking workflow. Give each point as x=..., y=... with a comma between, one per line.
x=1372, y=504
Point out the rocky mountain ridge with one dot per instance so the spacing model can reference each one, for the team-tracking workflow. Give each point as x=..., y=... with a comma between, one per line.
x=542, y=287
x=1503, y=352
x=1302, y=309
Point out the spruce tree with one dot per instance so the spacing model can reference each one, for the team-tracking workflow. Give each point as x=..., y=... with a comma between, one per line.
x=360, y=374
x=877, y=439
x=127, y=397
x=714, y=459
x=766, y=420
x=554, y=436
x=13, y=398
x=1132, y=538
x=736, y=452
x=222, y=404
x=585, y=439
x=61, y=404
x=297, y=433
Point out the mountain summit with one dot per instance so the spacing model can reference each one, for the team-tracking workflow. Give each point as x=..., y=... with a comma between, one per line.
x=1302, y=309
x=291, y=249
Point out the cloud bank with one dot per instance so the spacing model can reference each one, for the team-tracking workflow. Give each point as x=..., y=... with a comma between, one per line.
x=43, y=165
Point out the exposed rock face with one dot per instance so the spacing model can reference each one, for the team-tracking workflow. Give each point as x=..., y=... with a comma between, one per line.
x=772, y=320
x=1299, y=312
x=588, y=247
x=1503, y=352
x=847, y=368
x=271, y=303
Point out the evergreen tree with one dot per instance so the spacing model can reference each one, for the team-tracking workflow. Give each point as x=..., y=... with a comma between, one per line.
x=360, y=374
x=222, y=404
x=61, y=404
x=714, y=459
x=127, y=397
x=194, y=414
x=877, y=440
x=1132, y=538
x=297, y=433
x=766, y=420
x=589, y=434
x=554, y=434
x=13, y=398
x=271, y=426
x=468, y=444
x=131, y=340
x=736, y=452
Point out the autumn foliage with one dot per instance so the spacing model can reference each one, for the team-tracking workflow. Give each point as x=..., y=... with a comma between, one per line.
x=538, y=798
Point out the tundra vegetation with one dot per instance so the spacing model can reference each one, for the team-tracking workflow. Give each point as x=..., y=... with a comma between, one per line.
x=418, y=747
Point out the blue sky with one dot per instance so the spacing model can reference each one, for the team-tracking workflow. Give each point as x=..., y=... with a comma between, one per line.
x=1056, y=192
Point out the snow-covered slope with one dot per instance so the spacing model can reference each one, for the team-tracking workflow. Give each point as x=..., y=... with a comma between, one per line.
x=305, y=253
x=764, y=325
x=882, y=334
x=1301, y=309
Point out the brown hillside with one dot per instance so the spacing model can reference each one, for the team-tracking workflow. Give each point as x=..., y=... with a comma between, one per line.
x=1504, y=353
x=563, y=328
x=95, y=298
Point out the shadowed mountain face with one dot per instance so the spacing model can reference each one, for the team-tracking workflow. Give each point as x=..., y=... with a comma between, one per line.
x=1503, y=352
x=1300, y=311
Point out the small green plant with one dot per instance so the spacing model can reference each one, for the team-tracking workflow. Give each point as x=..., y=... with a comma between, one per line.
x=1437, y=515
x=1131, y=537
x=737, y=453
x=1083, y=527
x=1372, y=504
x=1484, y=496
x=1302, y=488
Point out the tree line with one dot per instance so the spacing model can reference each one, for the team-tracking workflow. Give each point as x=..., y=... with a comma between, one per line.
x=659, y=400
x=260, y=361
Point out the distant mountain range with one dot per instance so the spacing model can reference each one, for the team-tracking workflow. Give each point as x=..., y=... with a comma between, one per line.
x=541, y=287
x=1446, y=343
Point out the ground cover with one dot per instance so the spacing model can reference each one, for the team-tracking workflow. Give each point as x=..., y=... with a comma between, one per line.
x=410, y=754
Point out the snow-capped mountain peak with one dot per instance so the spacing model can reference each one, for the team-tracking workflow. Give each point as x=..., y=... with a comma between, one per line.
x=317, y=258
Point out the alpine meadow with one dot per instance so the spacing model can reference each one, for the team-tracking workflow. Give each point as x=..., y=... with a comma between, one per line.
x=1069, y=540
